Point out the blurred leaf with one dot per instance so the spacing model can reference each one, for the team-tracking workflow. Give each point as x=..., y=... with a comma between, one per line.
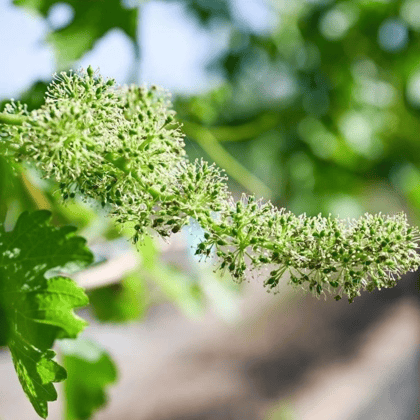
x=34, y=97
x=92, y=20
x=122, y=302
x=87, y=219
x=179, y=289
x=148, y=252
x=37, y=308
x=282, y=411
x=12, y=190
x=90, y=370
x=173, y=284
x=247, y=131
x=208, y=10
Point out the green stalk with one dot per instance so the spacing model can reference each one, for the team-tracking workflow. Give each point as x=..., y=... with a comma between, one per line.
x=11, y=119
x=218, y=153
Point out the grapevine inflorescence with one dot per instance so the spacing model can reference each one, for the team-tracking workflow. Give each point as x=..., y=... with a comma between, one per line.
x=122, y=147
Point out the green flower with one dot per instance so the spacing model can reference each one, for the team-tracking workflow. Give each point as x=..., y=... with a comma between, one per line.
x=122, y=147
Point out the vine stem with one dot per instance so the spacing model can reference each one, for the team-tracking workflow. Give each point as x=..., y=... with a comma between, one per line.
x=11, y=119
x=218, y=153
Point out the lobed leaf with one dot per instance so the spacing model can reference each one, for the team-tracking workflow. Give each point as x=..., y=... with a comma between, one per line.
x=35, y=307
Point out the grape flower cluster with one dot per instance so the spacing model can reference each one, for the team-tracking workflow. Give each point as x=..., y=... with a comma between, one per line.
x=123, y=147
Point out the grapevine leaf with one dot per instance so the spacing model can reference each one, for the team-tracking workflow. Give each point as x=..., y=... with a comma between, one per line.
x=121, y=302
x=91, y=21
x=37, y=308
x=90, y=370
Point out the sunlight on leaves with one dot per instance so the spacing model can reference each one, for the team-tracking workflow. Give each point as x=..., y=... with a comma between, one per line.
x=35, y=309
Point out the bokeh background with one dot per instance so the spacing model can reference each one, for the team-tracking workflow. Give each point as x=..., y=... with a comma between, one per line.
x=314, y=104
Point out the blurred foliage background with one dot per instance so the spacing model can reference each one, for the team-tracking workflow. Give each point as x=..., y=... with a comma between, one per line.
x=314, y=104
x=317, y=109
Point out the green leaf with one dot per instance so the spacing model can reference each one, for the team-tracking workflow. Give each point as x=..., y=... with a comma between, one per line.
x=180, y=289
x=92, y=20
x=174, y=285
x=37, y=308
x=122, y=302
x=90, y=370
x=36, y=371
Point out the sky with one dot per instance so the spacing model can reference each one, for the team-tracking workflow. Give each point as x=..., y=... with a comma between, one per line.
x=174, y=47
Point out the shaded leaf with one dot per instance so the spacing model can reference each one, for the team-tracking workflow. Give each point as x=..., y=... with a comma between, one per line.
x=122, y=302
x=207, y=11
x=92, y=20
x=180, y=289
x=90, y=370
x=173, y=284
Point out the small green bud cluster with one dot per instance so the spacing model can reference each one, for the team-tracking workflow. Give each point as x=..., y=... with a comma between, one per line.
x=196, y=190
x=116, y=145
x=321, y=254
x=122, y=147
